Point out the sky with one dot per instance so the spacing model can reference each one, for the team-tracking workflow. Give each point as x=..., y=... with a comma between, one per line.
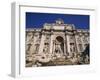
x=36, y=20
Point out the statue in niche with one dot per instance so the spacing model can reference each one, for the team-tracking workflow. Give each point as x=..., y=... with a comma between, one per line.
x=72, y=47
x=46, y=48
x=58, y=47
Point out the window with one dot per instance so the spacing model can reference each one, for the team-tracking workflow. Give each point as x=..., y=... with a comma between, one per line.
x=85, y=39
x=79, y=39
x=80, y=47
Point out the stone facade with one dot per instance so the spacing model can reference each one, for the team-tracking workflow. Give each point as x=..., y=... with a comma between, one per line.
x=55, y=41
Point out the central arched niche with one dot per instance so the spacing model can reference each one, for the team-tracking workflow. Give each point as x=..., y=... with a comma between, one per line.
x=60, y=42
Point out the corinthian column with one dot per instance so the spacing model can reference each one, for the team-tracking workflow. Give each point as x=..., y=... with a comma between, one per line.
x=51, y=43
x=68, y=43
x=41, y=44
x=76, y=43
x=65, y=47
